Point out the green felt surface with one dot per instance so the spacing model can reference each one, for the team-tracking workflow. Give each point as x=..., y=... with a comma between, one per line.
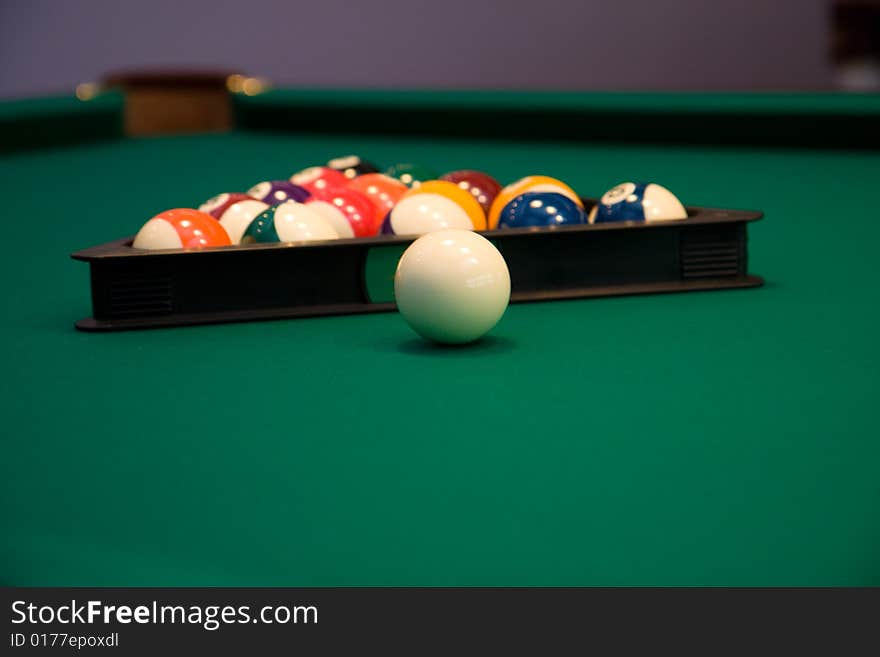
x=714, y=438
x=379, y=267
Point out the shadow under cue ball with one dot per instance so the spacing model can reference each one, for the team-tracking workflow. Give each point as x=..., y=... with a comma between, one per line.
x=452, y=286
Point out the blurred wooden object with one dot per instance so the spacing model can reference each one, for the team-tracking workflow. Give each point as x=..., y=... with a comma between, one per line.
x=174, y=102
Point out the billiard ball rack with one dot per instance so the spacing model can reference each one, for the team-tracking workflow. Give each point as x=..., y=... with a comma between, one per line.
x=137, y=289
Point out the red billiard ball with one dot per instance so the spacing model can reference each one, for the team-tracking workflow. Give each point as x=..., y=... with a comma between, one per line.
x=351, y=213
x=181, y=228
x=383, y=192
x=319, y=178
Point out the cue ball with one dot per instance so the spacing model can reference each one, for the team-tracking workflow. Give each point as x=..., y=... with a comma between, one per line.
x=452, y=286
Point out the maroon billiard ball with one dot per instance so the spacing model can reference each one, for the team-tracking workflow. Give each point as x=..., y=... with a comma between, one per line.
x=219, y=204
x=482, y=186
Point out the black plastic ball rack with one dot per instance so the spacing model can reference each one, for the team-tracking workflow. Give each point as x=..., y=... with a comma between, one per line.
x=136, y=289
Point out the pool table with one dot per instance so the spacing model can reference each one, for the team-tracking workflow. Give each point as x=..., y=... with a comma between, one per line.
x=710, y=438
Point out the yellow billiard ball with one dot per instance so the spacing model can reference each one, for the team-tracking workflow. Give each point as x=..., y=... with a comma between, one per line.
x=457, y=195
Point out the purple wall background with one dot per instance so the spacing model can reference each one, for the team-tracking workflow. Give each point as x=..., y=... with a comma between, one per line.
x=49, y=46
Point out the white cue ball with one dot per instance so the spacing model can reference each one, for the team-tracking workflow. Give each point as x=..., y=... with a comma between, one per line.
x=452, y=286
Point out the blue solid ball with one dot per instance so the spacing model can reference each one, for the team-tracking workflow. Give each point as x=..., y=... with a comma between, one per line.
x=541, y=209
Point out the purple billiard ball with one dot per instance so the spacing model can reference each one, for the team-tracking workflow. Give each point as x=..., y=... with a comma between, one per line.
x=385, y=228
x=274, y=192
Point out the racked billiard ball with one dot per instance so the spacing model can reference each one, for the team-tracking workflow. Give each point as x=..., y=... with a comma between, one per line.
x=541, y=209
x=278, y=191
x=631, y=201
x=452, y=286
x=217, y=205
x=352, y=166
x=411, y=175
x=239, y=216
x=434, y=205
x=350, y=212
x=318, y=178
x=181, y=228
x=456, y=194
x=482, y=186
x=528, y=184
x=234, y=212
x=383, y=192
x=424, y=213
x=288, y=222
